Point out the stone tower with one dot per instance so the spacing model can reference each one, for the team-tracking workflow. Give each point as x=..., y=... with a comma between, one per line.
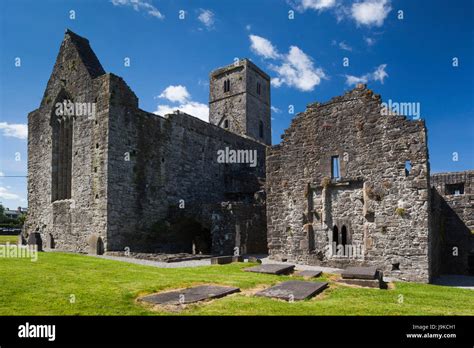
x=239, y=100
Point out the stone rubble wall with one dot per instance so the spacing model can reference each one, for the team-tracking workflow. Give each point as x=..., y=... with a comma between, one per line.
x=238, y=228
x=383, y=209
x=67, y=224
x=453, y=221
x=130, y=169
x=173, y=162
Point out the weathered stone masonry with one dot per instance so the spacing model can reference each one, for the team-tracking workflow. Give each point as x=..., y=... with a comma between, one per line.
x=373, y=204
x=131, y=170
x=453, y=221
x=344, y=176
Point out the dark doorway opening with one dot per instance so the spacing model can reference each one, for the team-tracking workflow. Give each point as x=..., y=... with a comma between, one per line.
x=344, y=238
x=470, y=263
x=335, y=235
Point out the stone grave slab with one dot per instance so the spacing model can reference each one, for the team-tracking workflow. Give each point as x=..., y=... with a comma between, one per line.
x=271, y=269
x=309, y=274
x=360, y=273
x=189, y=295
x=296, y=290
x=222, y=260
x=366, y=283
x=237, y=258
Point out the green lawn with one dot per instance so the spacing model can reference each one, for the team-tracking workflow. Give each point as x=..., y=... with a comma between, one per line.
x=8, y=239
x=106, y=287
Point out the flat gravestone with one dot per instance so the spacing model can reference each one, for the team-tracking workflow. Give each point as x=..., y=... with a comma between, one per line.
x=360, y=273
x=222, y=260
x=189, y=295
x=294, y=290
x=309, y=274
x=271, y=269
x=366, y=283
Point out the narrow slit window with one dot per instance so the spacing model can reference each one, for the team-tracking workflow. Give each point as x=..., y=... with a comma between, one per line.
x=62, y=140
x=260, y=129
x=335, y=235
x=226, y=124
x=335, y=169
x=226, y=85
x=259, y=88
x=407, y=168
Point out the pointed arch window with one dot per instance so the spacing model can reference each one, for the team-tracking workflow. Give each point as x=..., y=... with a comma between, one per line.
x=344, y=238
x=335, y=235
x=62, y=125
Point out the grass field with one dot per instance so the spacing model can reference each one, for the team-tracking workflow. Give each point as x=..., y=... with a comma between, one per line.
x=8, y=239
x=72, y=284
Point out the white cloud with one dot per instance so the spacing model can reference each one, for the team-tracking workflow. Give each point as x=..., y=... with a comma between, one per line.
x=342, y=45
x=14, y=130
x=317, y=5
x=5, y=194
x=294, y=69
x=248, y=27
x=379, y=74
x=206, y=17
x=2, y=174
x=175, y=94
x=275, y=109
x=353, y=80
x=192, y=108
x=297, y=70
x=140, y=5
x=180, y=95
x=363, y=12
x=263, y=47
x=370, y=12
x=369, y=41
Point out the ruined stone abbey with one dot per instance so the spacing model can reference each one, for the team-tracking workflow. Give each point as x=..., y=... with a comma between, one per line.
x=346, y=185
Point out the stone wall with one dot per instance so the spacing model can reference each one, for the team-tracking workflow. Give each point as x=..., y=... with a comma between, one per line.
x=68, y=223
x=238, y=228
x=453, y=220
x=173, y=170
x=384, y=212
x=131, y=170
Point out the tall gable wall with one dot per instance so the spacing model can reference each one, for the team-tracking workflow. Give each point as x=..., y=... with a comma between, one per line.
x=382, y=209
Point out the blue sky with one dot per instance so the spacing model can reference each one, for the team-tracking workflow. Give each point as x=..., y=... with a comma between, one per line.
x=404, y=60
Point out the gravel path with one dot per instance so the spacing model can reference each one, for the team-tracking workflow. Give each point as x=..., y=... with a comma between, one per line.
x=207, y=262
x=192, y=263
x=300, y=267
x=459, y=281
